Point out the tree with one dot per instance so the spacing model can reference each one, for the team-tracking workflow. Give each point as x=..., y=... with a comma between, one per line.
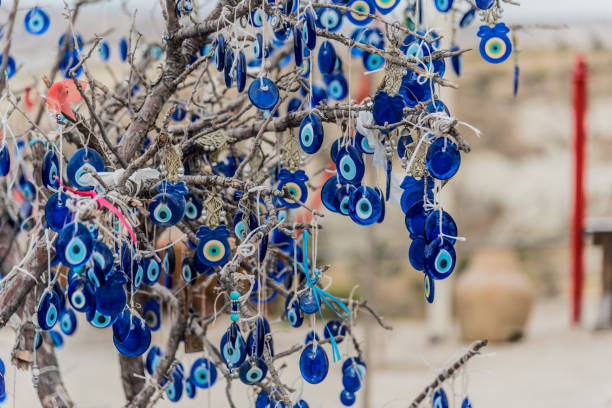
x=207, y=141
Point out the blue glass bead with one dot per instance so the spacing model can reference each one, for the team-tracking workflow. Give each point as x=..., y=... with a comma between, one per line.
x=83, y=161
x=359, y=11
x=152, y=314
x=152, y=271
x=241, y=72
x=256, y=17
x=308, y=302
x=515, y=82
x=429, y=288
x=262, y=400
x=467, y=18
x=37, y=21
x=440, y=258
x=362, y=144
x=466, y=403
x=253, y=372
x=495, y=46
x=263, y=93
x=443, y=158
x=174, y=391
x=343, y=195
x=301, y=404
x=131, y=335
x=123, y=49
x=166, y=209
x=257, y=341
x=386, y=6
x=193, y=207
x=48, y=309
x=81, y=295
x=102, y=258
x=103, y=50
x=310, y=336
x=439, y=399
x=351, y=380
x=414, y=191
x=314, y=364
x=203, y=373
x=112, y=298
x=235, y=317
x=372, y=62
x=356, y=364
x=228, y=75
x=311, y=133
x=432, y=226
x=11, y=68
x=349, y=164
x=347, y=398
x=337, y=86
x=153, y=356
x=328, y=19
x=190, y=388
x=365, y=205
x=414, y=92
x=456, y=60
x=415, y=219
x=57, y=213
x=258, y=48
x=68, y=321
x=443, y=5
x=335, y=328
x=485, y=4
x=5, y=160
x=220, y=52
x=326, y=58
x=74, y=245
x=329, y=194
x=233, y=347
x=437, y=106
x=58, y=340
x=234, y=295
x=50, y=170
x=293, y=311
x=319, y=94
x=309, y=32
x=188, y=272
x=281, y=34
x=295, y=183
x=179, y=113
x=416, y=253
x=294, y=105
x=241, y=229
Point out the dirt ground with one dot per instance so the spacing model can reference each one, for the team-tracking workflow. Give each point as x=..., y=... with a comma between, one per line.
x=553, y=366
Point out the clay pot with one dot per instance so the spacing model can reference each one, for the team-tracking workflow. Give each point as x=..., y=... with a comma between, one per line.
x=493, y=297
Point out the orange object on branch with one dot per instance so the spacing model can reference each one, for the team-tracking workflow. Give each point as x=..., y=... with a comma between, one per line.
x=61, y=94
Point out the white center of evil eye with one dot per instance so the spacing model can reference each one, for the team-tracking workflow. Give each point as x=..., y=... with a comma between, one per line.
x=201, y=375
x=330, y=18
x=364, y=208
x=495, y=47
x=231, y=354
x=93, y=278
x=294, y=189
x=307, y=135
x=348, y=168
x=186, y=272
x=254, y=374
x=344, y=205
x=360, y=6
x=214, y=250
x=84, y=169
x=415, y=50
x=153, y=270
x=190, y=211
x=240, y=230
x=444, y=261
x=51, y=317
x=75, y=252
x=78, y=300
x=162, y=213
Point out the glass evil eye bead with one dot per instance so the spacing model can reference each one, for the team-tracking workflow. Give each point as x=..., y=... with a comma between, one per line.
x=190, y=388
x=495, y=46
x=293, y=311
x=5, y=159
x=361, y=142
x=131, y=336
x=256, y=341
x=349, y=165
x=443, y=6
x=443, y=158
x=351, y=379
x=314, y=364
x=387, y=109
x=57, y=213
x=36, y=21
x=68, y=321
x=335, y=328
x=440, y=221
x=466, y=403
x=233, y=347
x=263, y=93
x=298, y=46
x=174, y=391
x=103, y=50
x=123, y=49
x=415, y=219
x=213, y=248
x=372, y=62
x=326, y=58
x=347, y=398
x=203, y=373
x=329, y=194
x=309, y=32
x=439, y=399
x=166, y=210
x=153, y=356
x=241, y=73
x=295, y=184
x=329, y=19
x=485, y=4
x=456, y=60
x=152, y=314
x=152, y=271
x=193, y=207
x=365, y=205
x=253, y=372
x=337, y=87
x=386, y=6
x=440, y=259
x=220, y=52
x=228, y=75
x=112, y=297
x=74, y=245
x=343, y=195
x=416, y=253
x=188, y=271
x=50, y=170
x=11, y=68
x=80, y=295
x=83, y=161
x=308, y=302
x=311, y=133
x=429, y=288
x=47, y=311
x=258, y=48
x=359, y=11
x=467, y=18
x=241, y=229
x=256, y=17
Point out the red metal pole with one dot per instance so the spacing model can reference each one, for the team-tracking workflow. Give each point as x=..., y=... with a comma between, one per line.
x=579, y=89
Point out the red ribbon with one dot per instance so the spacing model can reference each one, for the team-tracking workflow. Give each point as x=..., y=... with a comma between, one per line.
x=102, y=202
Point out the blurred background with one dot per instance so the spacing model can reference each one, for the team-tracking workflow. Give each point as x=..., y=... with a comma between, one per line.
x=512, y=199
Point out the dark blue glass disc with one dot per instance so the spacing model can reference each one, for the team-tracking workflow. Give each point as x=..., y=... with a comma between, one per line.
x=314, y=364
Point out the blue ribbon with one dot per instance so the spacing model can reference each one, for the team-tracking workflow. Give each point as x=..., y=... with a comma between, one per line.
x=311, y=281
